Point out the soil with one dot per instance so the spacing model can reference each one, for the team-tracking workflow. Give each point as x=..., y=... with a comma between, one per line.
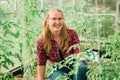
x=20, y=77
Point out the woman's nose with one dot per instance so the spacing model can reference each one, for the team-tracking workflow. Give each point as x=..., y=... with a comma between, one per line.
x=57, y=21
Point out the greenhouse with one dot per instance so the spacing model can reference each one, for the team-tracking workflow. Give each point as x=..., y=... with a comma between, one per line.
x=97, y=23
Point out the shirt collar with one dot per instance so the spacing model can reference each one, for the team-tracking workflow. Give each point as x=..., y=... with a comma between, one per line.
x=51, y=37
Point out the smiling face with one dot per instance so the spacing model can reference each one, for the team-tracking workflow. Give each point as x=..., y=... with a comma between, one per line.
x=55, y=21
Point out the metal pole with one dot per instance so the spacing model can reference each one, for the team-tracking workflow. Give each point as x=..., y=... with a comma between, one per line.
x=42, y=8
x=61, y=2
x=117, y=15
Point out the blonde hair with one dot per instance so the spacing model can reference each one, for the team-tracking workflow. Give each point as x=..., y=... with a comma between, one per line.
x=46, y=42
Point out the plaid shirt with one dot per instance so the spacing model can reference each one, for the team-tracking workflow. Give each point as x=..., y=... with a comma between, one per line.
x=54, y=55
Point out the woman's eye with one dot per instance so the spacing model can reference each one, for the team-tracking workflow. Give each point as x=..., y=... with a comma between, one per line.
x=56, y=18
x=60, y=19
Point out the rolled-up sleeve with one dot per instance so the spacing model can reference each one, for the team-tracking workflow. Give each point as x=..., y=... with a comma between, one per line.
x=75, y=40
x=41, y=60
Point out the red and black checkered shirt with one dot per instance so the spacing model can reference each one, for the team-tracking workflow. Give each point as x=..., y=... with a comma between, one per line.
x=54, y=55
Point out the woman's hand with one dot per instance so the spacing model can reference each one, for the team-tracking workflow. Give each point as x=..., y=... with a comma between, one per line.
x=82, y=58
x=49, y=62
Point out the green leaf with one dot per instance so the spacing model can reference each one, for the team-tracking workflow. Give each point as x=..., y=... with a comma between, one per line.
x=17, y=34
x=20, y=45
x=4, y=65
x=9, y=53
x=10, y=62
x=18, y=56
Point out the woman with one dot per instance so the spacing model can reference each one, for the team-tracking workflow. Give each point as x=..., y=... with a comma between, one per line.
x=53, y=45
